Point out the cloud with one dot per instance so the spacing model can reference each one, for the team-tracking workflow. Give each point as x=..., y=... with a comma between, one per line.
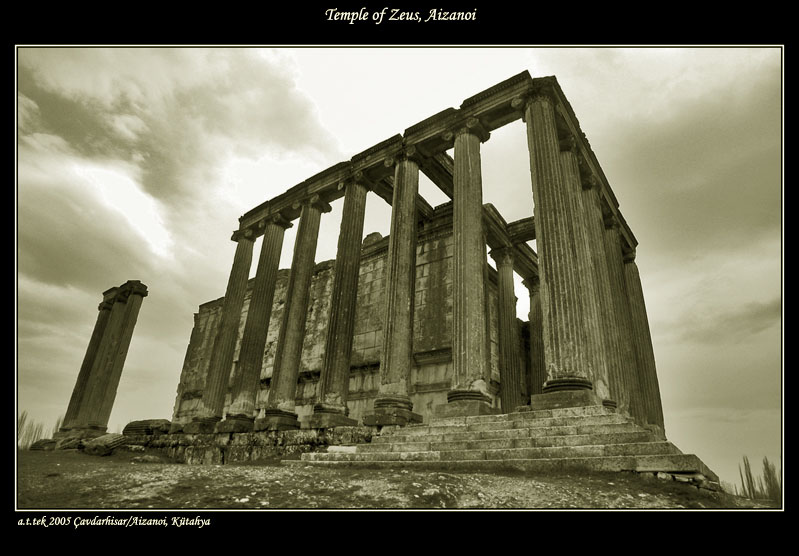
x=724, y=325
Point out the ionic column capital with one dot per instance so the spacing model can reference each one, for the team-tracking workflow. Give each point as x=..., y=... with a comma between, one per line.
x=503, y=256
x=469, y=125
x=356, y=178
x=131, y=287
x=611, y=222
x=407, y=152
x=628, y=255
x=538, y=94
x=275, y=220
x=314, y=201
x=245, y=233
x=533, y=284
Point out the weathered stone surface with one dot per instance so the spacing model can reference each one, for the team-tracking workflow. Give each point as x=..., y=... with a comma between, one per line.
x=564, y=333
x=397, y=356
x=147, y=426
x=44, y=444
x=104, y=445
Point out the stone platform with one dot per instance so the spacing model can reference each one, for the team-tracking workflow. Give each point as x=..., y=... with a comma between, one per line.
x=592, y=438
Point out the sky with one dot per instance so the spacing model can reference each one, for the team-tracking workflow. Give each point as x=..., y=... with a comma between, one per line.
x=136, y=163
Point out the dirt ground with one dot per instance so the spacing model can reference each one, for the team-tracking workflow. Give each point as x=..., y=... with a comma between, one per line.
x=73, y=480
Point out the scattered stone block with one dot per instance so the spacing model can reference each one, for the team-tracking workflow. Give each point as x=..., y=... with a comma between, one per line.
x=104, y=445
x=147, y=427
x=44, y=444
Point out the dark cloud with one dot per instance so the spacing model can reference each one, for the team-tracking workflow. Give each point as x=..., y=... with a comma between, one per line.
x=728, y=324
x=694, y=177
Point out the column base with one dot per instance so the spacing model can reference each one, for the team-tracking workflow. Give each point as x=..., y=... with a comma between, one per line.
x=610, y=404
x=176, y=428
x=235, y=423
x=392, y=410
x=568, y=398
x=277, y=420
x=566, y=384
x=203, y=425
x=462, y=403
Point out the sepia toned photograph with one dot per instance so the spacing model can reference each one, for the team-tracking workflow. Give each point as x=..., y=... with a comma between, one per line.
x=256, y=279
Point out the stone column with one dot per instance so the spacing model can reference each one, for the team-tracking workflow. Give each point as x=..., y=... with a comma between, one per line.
x=537, y=368
x=216, y=383
x=510, y=374
x=334, y=381
x=595, y=356
x=393, y=405
x=110, y=359
x=82, y=383
x=280, y=412
x=244, y=391
x=648, y=379
x=613, y=254
x=468, y=394
x=562, y=312
x=609, y=323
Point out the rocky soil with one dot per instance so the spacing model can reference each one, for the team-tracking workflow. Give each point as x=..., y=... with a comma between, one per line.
x=69, y=479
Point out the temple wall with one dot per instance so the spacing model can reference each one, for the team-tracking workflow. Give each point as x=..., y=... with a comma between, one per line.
x=432, y=372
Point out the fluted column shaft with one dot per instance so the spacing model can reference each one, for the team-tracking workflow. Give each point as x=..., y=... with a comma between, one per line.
x=108, y=363
x=400, y=280
x=648, y=379
x=510, y=374
x=82, y=382
x=563, y=331
x=244, y=393
x=283, y=388
x=335, y=375
x=595, y=356
x=470, y=368
x=613, y=254
x=219, y=368
x=609, y=323
x=132, y=307
x=537, y=369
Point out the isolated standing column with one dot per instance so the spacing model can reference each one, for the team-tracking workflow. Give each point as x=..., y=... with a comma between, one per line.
x=106, y=371
x=280, y=412
x=82, y=383
x=244, y=391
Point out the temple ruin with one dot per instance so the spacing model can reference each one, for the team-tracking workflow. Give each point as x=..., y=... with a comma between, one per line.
x=417, y=326
x=408, y=348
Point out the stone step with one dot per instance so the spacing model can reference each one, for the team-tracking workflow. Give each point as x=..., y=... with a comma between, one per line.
x=670, y=463
x=455, y=434
x=528, y=415
x=509, y=443
x=558, y=452
x=516, y=423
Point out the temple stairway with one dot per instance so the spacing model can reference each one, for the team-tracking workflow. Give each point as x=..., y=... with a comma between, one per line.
x=577, y=438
